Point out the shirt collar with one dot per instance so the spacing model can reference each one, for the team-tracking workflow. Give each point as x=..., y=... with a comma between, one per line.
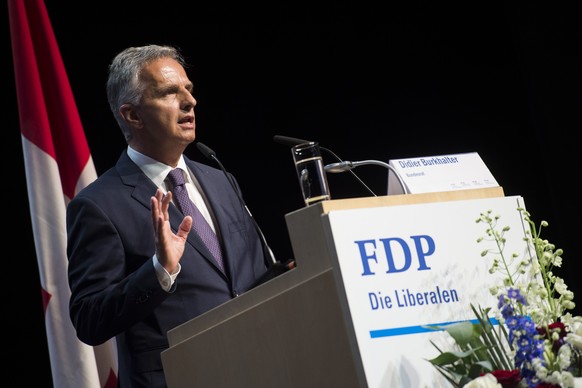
x=156, y=171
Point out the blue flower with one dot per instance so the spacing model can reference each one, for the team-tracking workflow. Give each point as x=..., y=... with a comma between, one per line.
x=523, y=335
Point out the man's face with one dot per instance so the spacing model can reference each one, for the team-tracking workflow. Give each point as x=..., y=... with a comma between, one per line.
x=167, y=106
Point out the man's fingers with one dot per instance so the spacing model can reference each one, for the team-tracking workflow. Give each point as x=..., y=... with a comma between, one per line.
x=160, y=204
x=166, y=199
x=185, y=227
x=155, y=204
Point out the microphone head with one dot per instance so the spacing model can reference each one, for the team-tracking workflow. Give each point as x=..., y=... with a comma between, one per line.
x=289, y=141
x=338, y=167
x=206, y=151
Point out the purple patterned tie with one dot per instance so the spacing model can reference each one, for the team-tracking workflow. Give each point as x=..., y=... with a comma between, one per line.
x=180, y=194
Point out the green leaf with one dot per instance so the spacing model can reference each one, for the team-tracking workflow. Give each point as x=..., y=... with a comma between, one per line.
x=477, y=368
x=449, y=358
x=463, y=332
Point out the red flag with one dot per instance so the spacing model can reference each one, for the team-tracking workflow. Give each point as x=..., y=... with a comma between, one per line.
x=58, y=164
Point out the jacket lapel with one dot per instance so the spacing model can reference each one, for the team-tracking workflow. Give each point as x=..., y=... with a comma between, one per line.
x=144, y=188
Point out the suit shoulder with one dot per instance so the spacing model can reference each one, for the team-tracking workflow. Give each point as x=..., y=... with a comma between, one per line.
x=196, y=166
x=106, y=182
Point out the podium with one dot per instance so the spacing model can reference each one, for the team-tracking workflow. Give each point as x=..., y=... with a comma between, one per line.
x=304, y=327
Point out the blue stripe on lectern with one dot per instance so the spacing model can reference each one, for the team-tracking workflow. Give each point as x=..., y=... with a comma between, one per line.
x=418, y=329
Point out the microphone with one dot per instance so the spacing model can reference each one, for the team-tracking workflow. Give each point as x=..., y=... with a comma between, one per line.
x=210, y=154
x=293, y=141
x=348, y=166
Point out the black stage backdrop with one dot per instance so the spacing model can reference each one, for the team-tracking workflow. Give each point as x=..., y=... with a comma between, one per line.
x=401, y=81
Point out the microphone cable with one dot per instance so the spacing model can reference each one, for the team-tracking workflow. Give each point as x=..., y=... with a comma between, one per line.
x=210, y=154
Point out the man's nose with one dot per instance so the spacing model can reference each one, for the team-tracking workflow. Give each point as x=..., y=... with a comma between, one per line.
x=188, y=102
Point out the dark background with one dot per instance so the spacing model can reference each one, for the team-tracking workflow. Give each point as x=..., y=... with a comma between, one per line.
x=368, y=83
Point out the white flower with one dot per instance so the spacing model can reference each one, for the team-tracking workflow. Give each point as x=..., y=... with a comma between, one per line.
x=562, y=379
x=575, y=336
x=485, y=381
x=568, y=380
x=568, y=304
x=528, y=288
x=564, y=357
x=541, y=370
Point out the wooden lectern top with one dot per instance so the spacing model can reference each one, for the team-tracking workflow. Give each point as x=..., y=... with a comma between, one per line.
x=410, y=199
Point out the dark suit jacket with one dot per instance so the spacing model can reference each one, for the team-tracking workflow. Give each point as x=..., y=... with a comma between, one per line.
x=115, y=292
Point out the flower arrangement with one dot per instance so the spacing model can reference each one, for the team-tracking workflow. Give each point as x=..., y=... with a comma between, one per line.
x=531, y=340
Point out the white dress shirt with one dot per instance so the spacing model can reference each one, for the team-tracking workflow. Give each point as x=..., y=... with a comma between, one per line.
x=158, y=172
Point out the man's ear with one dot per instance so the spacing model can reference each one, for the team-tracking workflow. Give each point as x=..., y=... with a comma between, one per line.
x=130, y=115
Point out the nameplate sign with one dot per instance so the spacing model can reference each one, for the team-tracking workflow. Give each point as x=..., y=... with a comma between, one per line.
x=440, y=173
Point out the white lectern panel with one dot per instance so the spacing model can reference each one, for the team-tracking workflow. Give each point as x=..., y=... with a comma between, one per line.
x=407, y=266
